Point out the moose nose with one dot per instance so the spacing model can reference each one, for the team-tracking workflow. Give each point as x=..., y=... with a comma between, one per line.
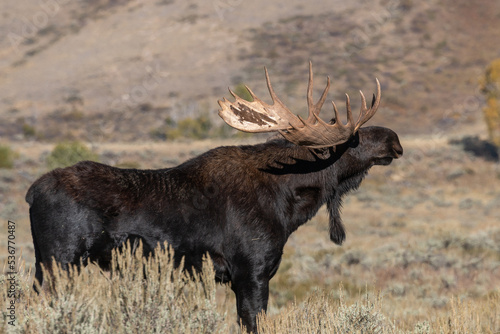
x=398, y=150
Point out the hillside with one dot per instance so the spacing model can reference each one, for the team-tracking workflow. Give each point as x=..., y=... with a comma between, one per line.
x=103, y=70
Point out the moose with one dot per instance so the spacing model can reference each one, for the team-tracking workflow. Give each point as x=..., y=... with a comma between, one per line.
x=239, y=204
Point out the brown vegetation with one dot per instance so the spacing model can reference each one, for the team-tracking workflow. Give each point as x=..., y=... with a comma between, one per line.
x=149, y=296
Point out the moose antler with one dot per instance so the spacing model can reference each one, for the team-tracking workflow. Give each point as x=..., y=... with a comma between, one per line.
x=258, y=116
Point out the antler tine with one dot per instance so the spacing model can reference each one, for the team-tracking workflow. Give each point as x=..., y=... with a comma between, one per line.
x=284, y=112
x=337, y=116
x=315, y=109
x=350, y=121
x=310, y=102
x=252, y=94
x=318, y=134
x=274, y=97
x=365, y=114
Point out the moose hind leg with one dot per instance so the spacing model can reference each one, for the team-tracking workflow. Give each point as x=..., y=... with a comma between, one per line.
x=63, y=231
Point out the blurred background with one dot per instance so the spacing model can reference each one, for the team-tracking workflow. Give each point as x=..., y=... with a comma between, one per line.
x=135, y=84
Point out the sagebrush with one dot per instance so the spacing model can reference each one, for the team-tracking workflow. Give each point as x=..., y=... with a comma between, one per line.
x=138, y=295
x=69, y=153
x=6, y=157
x=149, y=295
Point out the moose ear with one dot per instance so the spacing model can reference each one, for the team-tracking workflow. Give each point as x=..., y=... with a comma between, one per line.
x=337, y=230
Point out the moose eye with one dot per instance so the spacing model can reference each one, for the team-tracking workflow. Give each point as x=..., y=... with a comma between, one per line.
x=354, y=141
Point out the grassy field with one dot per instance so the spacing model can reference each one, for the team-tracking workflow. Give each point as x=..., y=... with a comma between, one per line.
x=422, y=253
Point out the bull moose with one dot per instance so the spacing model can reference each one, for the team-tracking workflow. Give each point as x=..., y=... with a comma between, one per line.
x=238, y=203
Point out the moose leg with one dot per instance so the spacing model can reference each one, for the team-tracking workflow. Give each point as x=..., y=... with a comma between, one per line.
x=252, y=294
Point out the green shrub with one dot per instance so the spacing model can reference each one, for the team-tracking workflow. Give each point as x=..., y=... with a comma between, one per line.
x=242, y=91
x=198, y=128
x=69, y=153
x=490, y=86
x=28, y=130
x=6, y=157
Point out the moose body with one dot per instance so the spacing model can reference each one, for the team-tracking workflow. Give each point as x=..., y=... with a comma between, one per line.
x=239, y=204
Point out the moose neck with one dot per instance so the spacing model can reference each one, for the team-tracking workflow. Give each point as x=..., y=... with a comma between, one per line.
x=329, y=167
x=316, y=177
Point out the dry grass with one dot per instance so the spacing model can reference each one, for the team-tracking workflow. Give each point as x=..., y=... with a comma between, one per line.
x=138, y=296
x=142, y=295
